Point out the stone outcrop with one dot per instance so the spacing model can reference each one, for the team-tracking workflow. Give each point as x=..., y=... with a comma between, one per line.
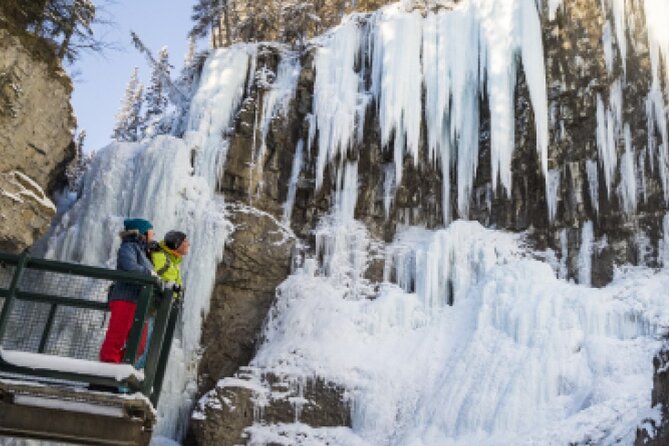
x=255, y=260
x=25, y=211
x=652, y=432
x=236, y=403
x=36, y=127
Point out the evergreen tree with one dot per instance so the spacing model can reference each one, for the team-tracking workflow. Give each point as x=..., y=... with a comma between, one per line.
x=207, y=15
x=128, y=119
x=76, y=169
x=156, y=97
x=68, y=24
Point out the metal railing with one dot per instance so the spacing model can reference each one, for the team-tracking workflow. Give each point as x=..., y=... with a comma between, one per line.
x=56, y=309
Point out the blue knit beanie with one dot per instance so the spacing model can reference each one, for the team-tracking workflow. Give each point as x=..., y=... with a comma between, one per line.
x=141, y=225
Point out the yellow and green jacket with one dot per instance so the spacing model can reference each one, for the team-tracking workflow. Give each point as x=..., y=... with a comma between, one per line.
x=166, y=263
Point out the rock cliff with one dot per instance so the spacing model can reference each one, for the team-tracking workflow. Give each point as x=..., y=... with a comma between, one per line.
x=36, y=129
x=599, y=77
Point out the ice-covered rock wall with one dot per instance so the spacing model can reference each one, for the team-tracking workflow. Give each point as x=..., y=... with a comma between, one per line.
x=542, y=117
x=557, y=119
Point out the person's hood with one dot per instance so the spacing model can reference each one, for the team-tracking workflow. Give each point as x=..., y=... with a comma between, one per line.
x=131, y=234
x=174, y=257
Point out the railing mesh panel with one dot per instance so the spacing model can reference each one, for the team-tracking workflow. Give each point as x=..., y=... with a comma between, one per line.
x=74, y=332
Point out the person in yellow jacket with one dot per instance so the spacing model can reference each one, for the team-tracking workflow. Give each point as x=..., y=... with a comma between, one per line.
x=166, y=258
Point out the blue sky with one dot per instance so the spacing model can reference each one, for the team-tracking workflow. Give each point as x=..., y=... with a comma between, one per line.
x=100, y=80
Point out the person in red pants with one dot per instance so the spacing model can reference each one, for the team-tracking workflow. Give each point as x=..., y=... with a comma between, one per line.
x=132, y=256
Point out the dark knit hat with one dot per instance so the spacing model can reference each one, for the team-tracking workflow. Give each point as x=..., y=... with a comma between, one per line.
x=142, y=226
x=173, y=239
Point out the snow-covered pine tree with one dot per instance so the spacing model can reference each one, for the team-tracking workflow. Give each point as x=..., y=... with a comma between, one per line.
x=129, y=116
x=75, y=170
x=136, y=123
x=156, y=95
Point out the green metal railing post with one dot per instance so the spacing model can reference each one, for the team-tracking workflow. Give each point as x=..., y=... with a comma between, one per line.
x=11, y=295
x=47, y=328
x=135, y=336
x=159, y=375
x=157, y=339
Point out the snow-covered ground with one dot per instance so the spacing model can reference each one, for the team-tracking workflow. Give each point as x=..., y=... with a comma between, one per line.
x=521, y=357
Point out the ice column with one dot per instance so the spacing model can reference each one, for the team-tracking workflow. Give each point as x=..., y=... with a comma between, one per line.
x=593, y=183
x=657, y=20
x=397, y=81
x=336, y=95
x=213, y=106
x=585, y=254
x=552, y=193
x=627, y=187
x=292, y=185
x=277, y=99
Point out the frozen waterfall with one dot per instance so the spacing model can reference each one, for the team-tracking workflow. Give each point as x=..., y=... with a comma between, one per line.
x=469, y=338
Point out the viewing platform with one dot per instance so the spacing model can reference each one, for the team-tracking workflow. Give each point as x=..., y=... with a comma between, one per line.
x=53, y=319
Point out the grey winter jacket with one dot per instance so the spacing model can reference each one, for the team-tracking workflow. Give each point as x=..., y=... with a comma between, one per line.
x=131, y=257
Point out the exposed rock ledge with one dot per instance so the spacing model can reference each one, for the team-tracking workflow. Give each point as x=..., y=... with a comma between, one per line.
x=25, y=211
x=235, y=404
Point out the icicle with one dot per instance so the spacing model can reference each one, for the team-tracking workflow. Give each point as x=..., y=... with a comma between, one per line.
x=535, y=75
x=214, y=105
x=335, y=95
x=618, y=9
x=609, y=128
x=641, y=172
x=277, y=99
x=292, y=185
x=585, y=254
x=663, y=243
x=627, y=187
x=593, y=184
x=553, y=6
x=347, y=194
x=657, y=21
x=398, y=82
x=388, y=187
x=552, y=193
x=500, y=69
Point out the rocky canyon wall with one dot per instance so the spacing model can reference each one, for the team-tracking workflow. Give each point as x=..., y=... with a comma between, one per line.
x=596, y=200
x=36, y=132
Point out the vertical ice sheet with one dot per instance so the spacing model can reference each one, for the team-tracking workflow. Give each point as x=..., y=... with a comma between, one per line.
x=452, y=56
x=336, y=95
x=593, y=184
x=156, y=180
x=212, y=109
x=663, y=243
x=628, y=184
x=397, y=81
x=585, y=254
x=657, y=21
x=277, y=99
x=609, y=129
x=553, y=6
x=292, y=185
x=552, y=193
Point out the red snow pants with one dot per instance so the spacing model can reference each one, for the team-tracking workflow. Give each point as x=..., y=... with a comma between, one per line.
x=122, y=315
